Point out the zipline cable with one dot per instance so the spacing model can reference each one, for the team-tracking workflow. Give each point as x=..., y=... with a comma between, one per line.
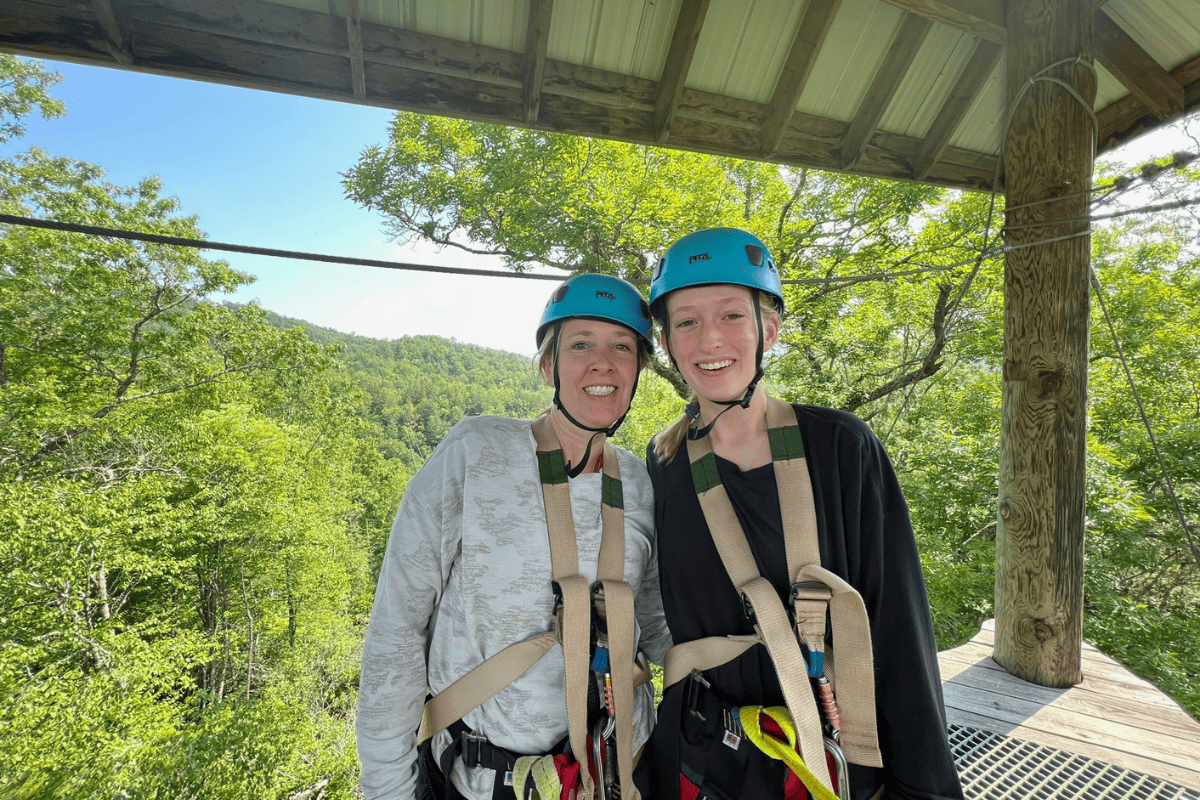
x=1162, y=464
x=204, y=244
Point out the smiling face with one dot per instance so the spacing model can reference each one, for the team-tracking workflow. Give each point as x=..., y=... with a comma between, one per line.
x=597, y=367
x=713, y=337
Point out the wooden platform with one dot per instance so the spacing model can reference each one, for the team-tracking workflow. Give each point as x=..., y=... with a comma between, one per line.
x=1113, y=716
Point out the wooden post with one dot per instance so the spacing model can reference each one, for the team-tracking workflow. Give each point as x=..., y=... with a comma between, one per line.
x=1048, y=155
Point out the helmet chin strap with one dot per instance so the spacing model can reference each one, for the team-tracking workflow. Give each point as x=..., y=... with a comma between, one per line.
x=693, y=410
x=575, y=470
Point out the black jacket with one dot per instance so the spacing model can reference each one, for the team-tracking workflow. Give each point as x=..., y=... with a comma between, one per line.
x=866, y=537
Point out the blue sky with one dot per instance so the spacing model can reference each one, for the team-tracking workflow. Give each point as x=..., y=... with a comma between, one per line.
x=262, y=169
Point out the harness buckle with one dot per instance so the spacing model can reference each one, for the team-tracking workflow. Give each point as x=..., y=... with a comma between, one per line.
x=748, y=609
x=558, y=597
x=472, y=748
x=809, y=590
x=599, y=611
x=692, y=700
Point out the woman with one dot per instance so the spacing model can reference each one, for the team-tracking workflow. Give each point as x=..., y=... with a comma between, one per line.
x=735, y=487
x=514, y=537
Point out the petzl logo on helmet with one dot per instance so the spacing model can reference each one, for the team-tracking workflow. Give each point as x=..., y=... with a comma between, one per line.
x=606, y=295
x=698, y=257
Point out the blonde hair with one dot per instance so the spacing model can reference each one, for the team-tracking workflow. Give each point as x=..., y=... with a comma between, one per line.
x=668, y=441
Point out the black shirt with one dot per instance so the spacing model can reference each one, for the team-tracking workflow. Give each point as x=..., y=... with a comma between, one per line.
x=866, y=538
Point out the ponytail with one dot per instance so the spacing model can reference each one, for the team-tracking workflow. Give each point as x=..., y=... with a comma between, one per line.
x=668, y=441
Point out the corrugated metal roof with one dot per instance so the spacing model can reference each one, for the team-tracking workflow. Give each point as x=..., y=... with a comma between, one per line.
x=611, y=67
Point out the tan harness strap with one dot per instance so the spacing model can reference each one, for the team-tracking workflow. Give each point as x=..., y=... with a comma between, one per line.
x=482, y=683
x=853, y=672
x=576, y=640
x=618, y=600
x=703, y=654
x=577, y=601
x=814, y=590
x=794, y=487
x=772, y=624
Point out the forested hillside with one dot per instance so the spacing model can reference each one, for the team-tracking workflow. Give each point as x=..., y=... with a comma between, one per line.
x=196, y=498
x=418, y=386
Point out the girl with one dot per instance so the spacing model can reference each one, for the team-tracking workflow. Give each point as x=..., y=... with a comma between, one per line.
x=767, y=515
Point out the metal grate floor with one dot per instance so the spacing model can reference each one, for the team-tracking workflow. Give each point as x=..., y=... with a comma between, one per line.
x=993, y=767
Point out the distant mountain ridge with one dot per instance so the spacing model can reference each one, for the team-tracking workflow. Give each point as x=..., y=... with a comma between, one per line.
x=417, y=387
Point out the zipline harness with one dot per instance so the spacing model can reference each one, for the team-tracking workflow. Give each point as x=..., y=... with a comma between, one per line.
x=594, y=623
x=849, y=724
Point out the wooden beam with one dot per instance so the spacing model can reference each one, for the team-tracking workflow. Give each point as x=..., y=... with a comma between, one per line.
x=537, y=36
x=679, y=60
x=981, y=18
x=964, y=94
x=1043, y=429
x=358, y=79
x=818, y=17
x=900, y=56
x=114, y=29
x=247, y=22
x=1129, y=117
x=1136, y=69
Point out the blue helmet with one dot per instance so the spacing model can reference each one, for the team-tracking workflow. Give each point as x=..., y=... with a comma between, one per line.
x=602, y=297
x=715, y=255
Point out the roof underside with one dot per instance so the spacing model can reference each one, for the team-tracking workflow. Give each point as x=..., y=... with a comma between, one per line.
x=904, y=89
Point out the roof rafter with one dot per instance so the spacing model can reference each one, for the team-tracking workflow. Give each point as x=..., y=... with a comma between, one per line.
x=358, y=75
x=1136, y=69
x=118, y=40
x=679, y=60
x=900, y=55
x=1130, y=117
x=966, y=90
x=814, y=25
x=537, y=38
x=982, y=18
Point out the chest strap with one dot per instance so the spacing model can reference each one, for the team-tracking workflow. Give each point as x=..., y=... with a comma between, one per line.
x=814, y=589
x=571, y=625
x=577, y=601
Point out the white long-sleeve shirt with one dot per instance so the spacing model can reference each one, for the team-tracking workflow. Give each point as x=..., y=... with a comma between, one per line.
x=467, y=572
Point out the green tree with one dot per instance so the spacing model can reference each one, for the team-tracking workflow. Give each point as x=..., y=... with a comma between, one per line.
x=853, y=337
x=184, y=486
x=24, y=88
x=1143, y=546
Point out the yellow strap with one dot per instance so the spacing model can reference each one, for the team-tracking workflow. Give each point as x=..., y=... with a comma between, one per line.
x=780, y=751
x=771, y=622
x=546, y=782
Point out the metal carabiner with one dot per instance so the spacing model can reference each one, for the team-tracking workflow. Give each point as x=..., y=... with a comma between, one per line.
x=603, y=728
x=843, y=771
